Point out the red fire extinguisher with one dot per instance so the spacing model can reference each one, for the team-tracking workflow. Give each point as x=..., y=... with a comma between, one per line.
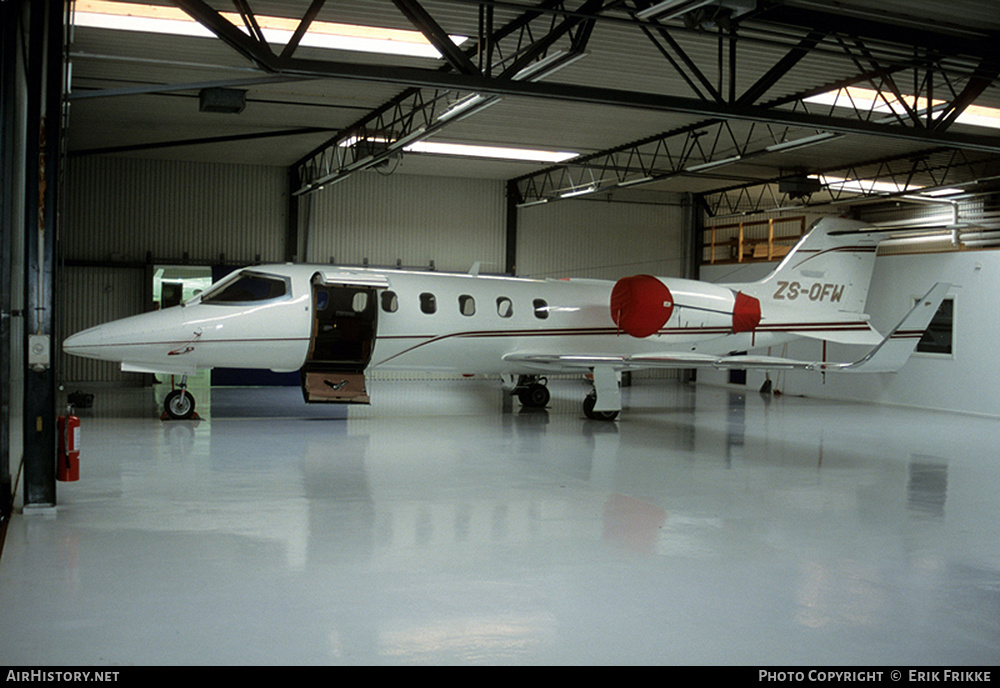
x=68, y=455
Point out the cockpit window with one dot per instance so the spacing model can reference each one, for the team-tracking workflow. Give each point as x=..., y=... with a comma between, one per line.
x=249, y=287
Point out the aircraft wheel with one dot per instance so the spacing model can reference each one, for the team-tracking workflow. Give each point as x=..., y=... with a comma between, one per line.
x=179, y=404
x=588, y=409
x=535, y=395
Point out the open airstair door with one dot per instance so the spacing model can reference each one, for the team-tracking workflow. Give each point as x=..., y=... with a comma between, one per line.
x=345, y=317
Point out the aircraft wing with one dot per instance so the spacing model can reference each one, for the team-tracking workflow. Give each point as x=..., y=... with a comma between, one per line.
x=888, y=355
x=570, y=362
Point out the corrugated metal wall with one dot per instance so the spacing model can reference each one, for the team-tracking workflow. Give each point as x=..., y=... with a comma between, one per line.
x=118, y=209
x=415, y=220
x=600, y=239
x=91, y=296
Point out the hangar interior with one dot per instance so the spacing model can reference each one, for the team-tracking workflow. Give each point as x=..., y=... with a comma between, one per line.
x=149, y=148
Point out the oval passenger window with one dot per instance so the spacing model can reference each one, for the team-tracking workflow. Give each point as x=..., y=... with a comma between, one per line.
x=428, y=304
x=390, y=302
x=505, y=307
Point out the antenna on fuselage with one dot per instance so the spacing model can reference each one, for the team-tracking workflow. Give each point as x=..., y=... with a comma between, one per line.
x=474, y=270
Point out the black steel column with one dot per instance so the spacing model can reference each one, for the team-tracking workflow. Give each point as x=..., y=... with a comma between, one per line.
x=45, y=66
x=693, y=246
x=292, y=216
x=694, y=236
x=9, y=13
x=510, y=261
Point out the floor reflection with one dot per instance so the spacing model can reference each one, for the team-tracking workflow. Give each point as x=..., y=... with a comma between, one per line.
x=445, y=524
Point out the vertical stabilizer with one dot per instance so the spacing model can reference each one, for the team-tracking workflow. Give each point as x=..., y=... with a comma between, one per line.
x=827, y=274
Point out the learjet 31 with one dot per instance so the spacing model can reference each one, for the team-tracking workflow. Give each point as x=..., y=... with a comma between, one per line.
x=336, y=324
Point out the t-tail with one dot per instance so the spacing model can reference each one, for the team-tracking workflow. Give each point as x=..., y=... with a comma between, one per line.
x=821, y=287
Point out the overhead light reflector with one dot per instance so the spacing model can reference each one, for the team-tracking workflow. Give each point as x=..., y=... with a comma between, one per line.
x=496, y=152
x=472, y=151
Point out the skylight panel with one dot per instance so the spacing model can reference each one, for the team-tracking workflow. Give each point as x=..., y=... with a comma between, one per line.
x=880, y=102
x=122, y=16
x=866, y=186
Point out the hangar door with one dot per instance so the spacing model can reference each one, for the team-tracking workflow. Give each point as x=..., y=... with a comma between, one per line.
x=344, y=325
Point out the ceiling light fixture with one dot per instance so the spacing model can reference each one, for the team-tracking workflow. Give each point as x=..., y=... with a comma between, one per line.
x=467, y=106
x=713, y=164
x=550, y=64
x=804, y=142
x=579, y=191
x=467, y=150
x=668, y=9
x=494, y=152
x=633, y=182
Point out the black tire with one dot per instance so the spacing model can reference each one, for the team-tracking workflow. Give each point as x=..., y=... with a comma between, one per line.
x=179, y=404
x=588, y=409
x=535, y=395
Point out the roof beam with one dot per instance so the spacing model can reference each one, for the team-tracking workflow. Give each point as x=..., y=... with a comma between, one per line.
x=621, y=98
x=419, y=112
x=437, y=36
x=933, y=168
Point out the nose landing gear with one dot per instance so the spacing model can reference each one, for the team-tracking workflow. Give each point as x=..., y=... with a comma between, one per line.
x=179, y=404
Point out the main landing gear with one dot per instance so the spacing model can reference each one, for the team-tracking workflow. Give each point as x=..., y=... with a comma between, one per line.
x=532, y=392
x=589, y=402
x=179, y=404
x=605, y=401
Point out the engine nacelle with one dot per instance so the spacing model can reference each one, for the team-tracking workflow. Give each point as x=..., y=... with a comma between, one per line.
x=642, y=304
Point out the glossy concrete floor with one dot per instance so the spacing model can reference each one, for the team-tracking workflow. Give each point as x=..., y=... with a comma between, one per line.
x=442, y=525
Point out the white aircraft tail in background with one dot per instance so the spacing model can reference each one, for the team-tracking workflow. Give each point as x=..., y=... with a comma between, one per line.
x=336, y=324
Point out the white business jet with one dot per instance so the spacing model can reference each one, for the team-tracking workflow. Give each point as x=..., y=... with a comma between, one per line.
x=335, y=324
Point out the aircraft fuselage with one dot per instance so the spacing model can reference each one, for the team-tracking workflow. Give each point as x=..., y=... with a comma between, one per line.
x=335, y=324
x=420, y=321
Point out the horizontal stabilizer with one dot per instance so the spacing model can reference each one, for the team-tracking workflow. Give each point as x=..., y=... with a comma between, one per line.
x=854, y=332
x=898, y=346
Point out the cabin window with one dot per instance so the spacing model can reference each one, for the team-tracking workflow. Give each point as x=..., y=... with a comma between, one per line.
x=248, y=288
x=360, y=301
x=428, y=303
x=505, y=307
x=390, y=302
x=466, y=305
x=541, y=309
x=322, y=299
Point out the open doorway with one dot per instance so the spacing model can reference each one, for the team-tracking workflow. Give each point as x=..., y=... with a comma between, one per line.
x=343, y=338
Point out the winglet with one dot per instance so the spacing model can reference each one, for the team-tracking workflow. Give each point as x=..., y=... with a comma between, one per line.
x=897, y=347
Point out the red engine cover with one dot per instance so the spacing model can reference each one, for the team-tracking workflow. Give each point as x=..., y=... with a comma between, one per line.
x=746, y=313
x=641, y=305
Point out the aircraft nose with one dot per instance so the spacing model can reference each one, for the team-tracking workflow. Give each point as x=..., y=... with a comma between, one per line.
x=122, y=340
x=85, y=343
